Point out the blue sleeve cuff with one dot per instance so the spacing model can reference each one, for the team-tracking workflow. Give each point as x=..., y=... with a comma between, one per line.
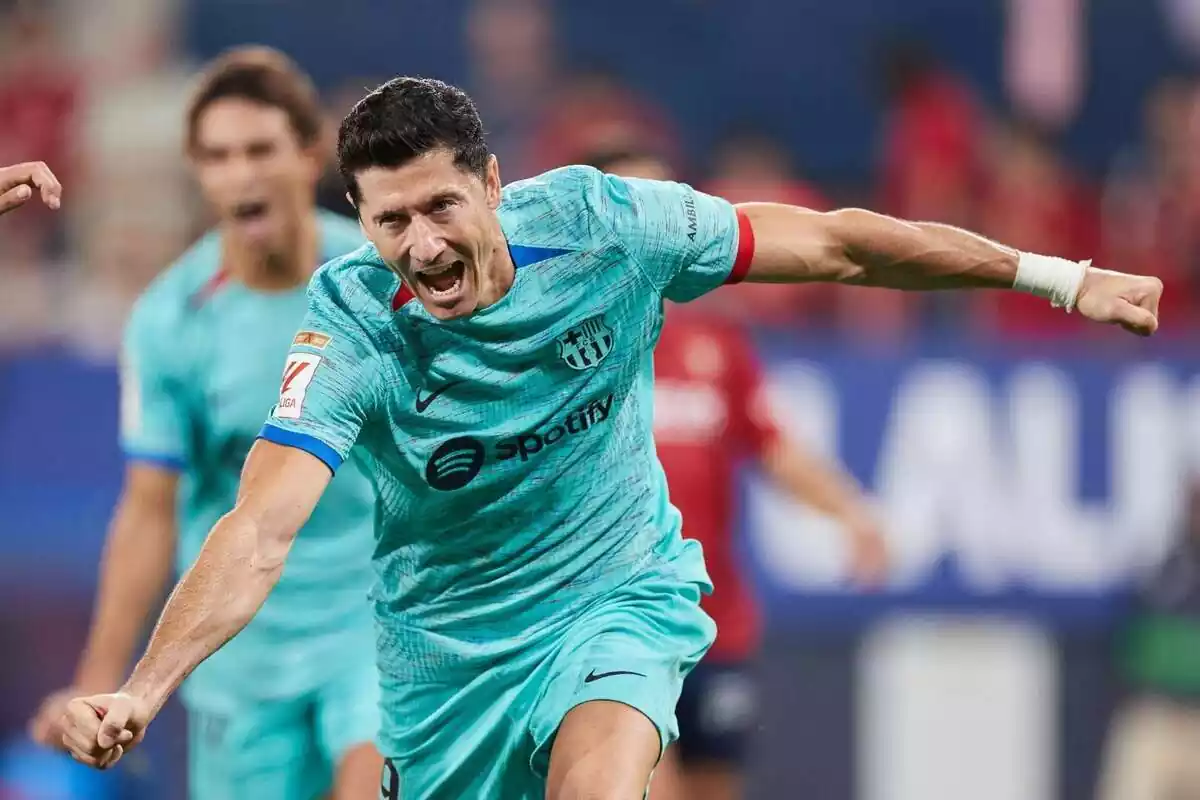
x=302, y=441
x=173, y=463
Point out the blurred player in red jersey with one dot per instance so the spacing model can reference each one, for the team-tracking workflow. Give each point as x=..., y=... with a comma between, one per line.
x=710, y=413
x=20, y=182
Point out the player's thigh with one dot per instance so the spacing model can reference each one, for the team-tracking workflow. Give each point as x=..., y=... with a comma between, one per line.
x=632, y=650
x=604, y=750
x=255, y=751
x=347, y=723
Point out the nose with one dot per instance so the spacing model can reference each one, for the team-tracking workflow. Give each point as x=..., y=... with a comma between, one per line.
x=425, y=241
x=241, y=175
x=242, y=169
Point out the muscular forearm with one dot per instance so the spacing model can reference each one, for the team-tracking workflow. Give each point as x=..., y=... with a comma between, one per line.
x=216, y=598
x=860, y=247
x=795, y=245
x=134, y=573
x=921, y=255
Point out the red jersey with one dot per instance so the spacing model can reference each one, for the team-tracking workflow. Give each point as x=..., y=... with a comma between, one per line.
x=710, y=413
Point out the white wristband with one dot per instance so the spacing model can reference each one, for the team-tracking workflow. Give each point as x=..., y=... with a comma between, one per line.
x=1056, y=279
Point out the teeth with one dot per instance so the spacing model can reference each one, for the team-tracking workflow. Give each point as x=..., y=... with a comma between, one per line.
x=442, y=292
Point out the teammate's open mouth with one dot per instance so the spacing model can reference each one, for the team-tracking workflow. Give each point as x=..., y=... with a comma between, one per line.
x=444, y=281
x=250, y=211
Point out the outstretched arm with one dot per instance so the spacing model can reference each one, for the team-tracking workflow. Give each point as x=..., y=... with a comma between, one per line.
x=238, y=566
x=854, y=246
x=240, y=563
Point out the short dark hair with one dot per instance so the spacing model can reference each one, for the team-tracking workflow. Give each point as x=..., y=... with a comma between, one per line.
x=406, y=118
x=260, y=75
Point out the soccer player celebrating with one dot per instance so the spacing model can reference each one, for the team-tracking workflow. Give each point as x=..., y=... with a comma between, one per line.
x=19, y=181
x=490, y=353
x=710, y=412
x=290, y=708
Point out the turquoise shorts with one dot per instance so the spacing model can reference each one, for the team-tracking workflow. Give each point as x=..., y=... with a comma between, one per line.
x=280, y=749
x=490, y=736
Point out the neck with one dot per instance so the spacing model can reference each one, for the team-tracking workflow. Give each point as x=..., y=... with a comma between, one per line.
x=274, y=270
x=500, y=272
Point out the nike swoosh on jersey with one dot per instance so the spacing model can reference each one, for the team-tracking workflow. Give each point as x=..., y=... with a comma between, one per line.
x=595, y=676
x=423, y=404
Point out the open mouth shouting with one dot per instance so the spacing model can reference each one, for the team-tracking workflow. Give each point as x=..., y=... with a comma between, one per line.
x=253, y=217
x=443, y=285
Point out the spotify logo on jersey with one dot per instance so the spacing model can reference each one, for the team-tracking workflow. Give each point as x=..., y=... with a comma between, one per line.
x=454, y=464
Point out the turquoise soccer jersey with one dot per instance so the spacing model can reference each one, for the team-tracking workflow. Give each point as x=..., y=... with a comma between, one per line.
x=200, y=368
x=512, y=448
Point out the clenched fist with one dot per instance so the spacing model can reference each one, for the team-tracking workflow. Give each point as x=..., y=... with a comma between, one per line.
x=46, y=727
x=18, y=182
x=1130, y=301
x=97, y=730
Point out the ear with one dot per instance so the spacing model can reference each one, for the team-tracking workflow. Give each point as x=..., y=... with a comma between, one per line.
x=315, y=156
x=492, y=186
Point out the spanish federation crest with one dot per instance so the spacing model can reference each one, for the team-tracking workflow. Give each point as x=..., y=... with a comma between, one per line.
x=586, y=345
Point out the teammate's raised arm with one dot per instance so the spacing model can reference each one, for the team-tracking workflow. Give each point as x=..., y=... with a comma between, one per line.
x=861, y=247
x=238, y=566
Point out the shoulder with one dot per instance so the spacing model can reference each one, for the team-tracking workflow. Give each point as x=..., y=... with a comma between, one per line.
x=605, y=204
x=556, y=208
x=355, y=291
x=569, y=184
x=169, y=300
x=572, y=190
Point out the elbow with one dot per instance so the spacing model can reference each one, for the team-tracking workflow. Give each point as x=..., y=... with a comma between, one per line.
x=253, y=549
x=268, y=557
x=842, y=248
x=247, y=597
x=856, y=238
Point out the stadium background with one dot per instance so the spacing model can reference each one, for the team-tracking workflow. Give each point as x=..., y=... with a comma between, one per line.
x=1032, y=472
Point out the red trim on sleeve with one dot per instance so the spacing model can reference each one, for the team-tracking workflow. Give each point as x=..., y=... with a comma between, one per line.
x=402, y=296
x=745, y=249
x=210, y=288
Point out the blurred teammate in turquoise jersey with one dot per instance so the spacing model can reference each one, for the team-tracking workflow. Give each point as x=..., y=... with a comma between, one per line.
x=490, y=354
x=289, y=709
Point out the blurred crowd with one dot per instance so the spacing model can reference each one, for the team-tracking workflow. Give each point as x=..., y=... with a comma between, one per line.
x=113, y=135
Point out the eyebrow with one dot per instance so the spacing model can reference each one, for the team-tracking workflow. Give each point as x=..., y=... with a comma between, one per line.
x=222, y=148
x=391, y=214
